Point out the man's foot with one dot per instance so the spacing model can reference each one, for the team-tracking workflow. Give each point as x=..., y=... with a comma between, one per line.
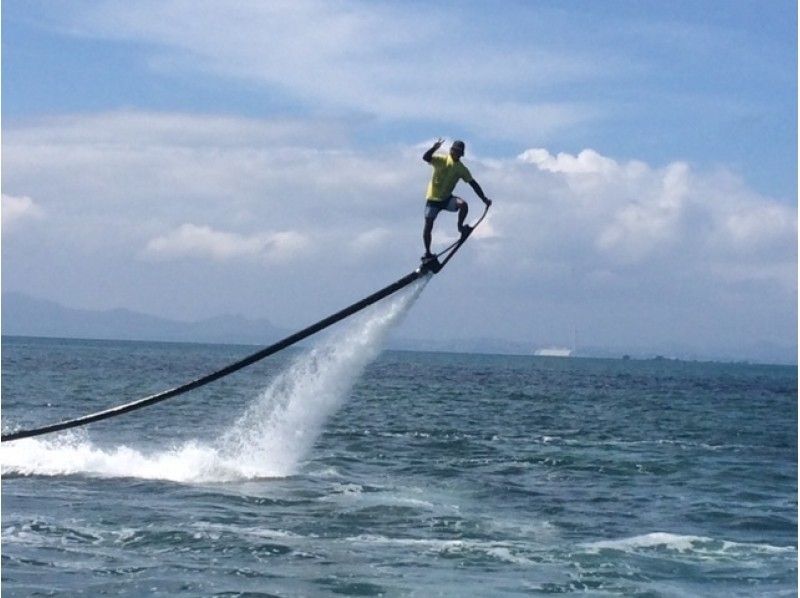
x=430, y=263
x=465, y=230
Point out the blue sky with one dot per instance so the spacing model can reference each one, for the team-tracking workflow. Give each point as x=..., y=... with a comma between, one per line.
x=709, y=82
x=153, y=140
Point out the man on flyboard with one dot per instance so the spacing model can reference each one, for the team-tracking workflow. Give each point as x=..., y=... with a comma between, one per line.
x=447, y=171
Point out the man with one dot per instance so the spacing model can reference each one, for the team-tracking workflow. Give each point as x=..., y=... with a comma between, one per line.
x=447, y=171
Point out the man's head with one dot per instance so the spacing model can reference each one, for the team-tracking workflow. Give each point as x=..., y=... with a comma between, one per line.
x=457, y=150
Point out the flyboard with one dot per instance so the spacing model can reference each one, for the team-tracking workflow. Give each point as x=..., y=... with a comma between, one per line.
x=434, y=265
x=431, y=266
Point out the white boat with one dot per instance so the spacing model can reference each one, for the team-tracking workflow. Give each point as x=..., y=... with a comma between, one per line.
x=553, y=352
x=559, y=351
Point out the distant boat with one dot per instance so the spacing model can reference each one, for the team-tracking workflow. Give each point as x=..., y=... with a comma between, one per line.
x=559, y=351
x=553, y=352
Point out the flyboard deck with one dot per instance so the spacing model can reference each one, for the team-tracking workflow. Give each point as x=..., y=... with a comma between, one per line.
x=433, y=264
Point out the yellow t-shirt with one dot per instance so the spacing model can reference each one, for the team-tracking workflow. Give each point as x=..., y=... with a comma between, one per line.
x=446, y=173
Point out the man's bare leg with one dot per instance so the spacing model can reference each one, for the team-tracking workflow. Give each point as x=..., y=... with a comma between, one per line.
x=426, y=236
x=463, y=208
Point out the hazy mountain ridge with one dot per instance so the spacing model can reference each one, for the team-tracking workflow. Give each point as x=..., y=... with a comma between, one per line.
x=23, y=315
x=27, y=316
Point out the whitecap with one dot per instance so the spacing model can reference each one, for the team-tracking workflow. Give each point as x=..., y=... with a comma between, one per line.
x=700, y=545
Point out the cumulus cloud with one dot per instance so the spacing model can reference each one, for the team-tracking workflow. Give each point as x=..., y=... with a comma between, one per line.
x=16, y=209
x=370, y=240
x=585, y=229
x=752, y=226
x=587, y=161
x=633, y=213
x=588, y=209
x=233, y=168
x=203, y=242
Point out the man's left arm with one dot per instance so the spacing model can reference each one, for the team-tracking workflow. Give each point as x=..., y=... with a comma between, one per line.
x=477, y=188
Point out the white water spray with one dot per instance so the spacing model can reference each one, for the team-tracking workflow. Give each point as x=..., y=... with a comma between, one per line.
x=270, y=439
x=278, y=430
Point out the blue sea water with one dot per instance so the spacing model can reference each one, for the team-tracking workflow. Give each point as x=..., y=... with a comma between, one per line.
x=340, y=470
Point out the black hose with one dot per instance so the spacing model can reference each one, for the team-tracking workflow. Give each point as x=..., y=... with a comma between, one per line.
x=207, y=379
x=242, y=363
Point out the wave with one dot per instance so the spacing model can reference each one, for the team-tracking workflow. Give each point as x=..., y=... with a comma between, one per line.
x=496, y=550
x=685, y=544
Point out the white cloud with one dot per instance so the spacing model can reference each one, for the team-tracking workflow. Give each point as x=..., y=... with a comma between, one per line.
x=587, y=161
x=371, y=240
x=343, y=56
x=640, y=225
x=203, y=242
x=632, y=213
x=170, y=167
x=16, y=209
x=584, y=228
x=136, y=129
x=754, y=225
x=136, y=168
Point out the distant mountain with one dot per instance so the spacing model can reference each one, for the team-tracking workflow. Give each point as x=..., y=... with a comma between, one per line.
x=24, y=315
x=27, y=316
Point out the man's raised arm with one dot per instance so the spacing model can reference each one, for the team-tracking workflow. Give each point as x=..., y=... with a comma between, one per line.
x=428, y=156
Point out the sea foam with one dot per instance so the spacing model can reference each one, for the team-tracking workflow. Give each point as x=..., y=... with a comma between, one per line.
x=684, y=544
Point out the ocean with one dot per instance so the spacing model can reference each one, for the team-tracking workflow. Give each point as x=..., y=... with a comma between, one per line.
x=342, y=469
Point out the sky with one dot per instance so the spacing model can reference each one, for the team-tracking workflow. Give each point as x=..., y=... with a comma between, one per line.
x=188, y=159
